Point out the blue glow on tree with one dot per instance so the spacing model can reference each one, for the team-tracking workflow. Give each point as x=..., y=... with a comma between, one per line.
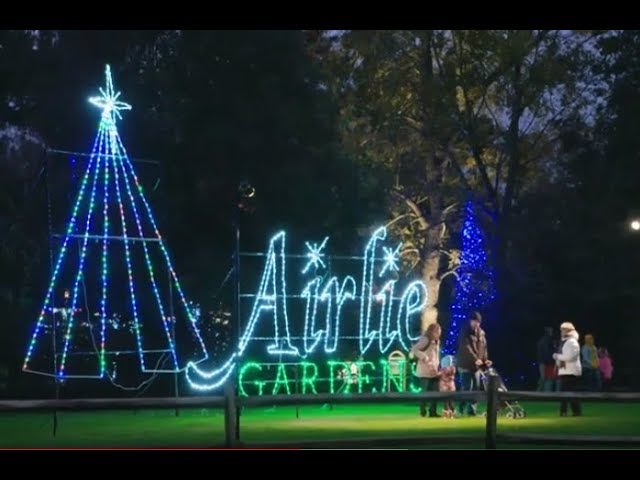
x=475, y=286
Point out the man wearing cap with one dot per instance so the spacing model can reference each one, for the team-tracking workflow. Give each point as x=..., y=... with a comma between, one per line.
x=569, y=367
x=472, y=355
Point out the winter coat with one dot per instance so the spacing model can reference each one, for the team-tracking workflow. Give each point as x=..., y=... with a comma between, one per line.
x=428, y=354
x=606, y=367
x=472, y=347
x=568, y=358
x=447, y=382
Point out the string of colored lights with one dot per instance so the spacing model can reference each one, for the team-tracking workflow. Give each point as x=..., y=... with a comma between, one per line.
x=127, y=254
x=83, y=252
x=71, y=226
x=108, y=153
x=152, y=277
x=105, y=263
x=165, y=254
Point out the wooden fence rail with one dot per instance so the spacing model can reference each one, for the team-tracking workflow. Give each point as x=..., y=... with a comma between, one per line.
x=232, y=404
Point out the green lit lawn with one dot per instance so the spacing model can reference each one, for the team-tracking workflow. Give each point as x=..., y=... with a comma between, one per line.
x=196, y=428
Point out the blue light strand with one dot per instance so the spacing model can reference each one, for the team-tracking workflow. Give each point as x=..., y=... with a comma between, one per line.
x=342, y=294
x=103, y=302
x=152, y=277
x=266, y=300
x=414, y=299
x=165, y=253
x=83, y=252
x=385, y=317
x=132, y=293
x=391, y=259
x=61, y=255
x=367, y=290
x=310, y=333
x=220, y=375
x=315, y=255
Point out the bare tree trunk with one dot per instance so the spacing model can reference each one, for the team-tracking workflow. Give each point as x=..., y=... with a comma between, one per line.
x=430, y=276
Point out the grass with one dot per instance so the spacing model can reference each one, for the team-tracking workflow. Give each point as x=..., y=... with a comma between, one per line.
x=205, y=428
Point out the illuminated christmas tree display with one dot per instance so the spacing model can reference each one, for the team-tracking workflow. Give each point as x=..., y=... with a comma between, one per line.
x=114, y=305
x=474, y=288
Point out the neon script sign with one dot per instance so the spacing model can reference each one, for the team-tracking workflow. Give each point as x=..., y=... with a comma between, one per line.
x=321, y=377
x=383, y=319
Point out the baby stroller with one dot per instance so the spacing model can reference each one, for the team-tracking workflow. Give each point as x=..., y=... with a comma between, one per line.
x=509, y=409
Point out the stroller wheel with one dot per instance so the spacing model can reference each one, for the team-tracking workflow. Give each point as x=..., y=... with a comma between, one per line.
x=509, y=415
x=521, y=414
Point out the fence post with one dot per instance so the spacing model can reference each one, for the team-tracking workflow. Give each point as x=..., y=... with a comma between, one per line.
x=492, y=413
x=230, y=415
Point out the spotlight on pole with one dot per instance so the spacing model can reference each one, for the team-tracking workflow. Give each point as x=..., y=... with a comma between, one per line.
x=246, y=190
x=635, y=225
x=246, y=193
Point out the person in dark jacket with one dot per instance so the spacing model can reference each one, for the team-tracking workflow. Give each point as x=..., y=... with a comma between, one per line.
x=471, y=357
x=546, y=347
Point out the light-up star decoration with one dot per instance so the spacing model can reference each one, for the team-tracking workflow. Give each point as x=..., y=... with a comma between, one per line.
x=391, y=258
x=315, y=255
x=109, y=102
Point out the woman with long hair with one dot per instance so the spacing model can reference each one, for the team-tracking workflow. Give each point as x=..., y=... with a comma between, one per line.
x=427, y=353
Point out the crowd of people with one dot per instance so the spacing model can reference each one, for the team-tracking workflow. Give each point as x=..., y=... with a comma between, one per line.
x=563, y=364
x=596, y=363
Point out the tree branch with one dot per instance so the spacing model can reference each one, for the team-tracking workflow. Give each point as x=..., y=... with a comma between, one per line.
x=424, y=224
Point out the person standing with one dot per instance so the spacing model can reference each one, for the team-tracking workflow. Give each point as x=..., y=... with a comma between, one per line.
x=427, y=352
x=448, y=384
x=569, y=367
x=606, y=369
x=472, y=356
x=546, y=347
x=590, y=364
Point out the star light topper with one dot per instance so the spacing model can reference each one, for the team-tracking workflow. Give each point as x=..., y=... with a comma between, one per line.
x=315, y=255
x=391, y=258
x=108, y=102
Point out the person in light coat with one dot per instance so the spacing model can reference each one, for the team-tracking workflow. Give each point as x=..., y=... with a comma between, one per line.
x=569, y=367
x=427, y=352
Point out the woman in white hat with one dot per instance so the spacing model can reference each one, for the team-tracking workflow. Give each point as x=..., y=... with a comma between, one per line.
x=569, y=367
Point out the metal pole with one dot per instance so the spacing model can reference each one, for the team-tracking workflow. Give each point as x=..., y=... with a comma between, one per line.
x=236, y=301
x=53, y=315
x=176, y=391
x=492, y=413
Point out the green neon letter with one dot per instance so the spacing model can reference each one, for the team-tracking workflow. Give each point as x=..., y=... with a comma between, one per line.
x=281, y=379
x=363, y=379
x=256, y=383
x=333, y=375
x=307, y=378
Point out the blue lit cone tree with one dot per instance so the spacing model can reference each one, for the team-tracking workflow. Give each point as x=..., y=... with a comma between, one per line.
x=114, y=307
x=475, y=285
